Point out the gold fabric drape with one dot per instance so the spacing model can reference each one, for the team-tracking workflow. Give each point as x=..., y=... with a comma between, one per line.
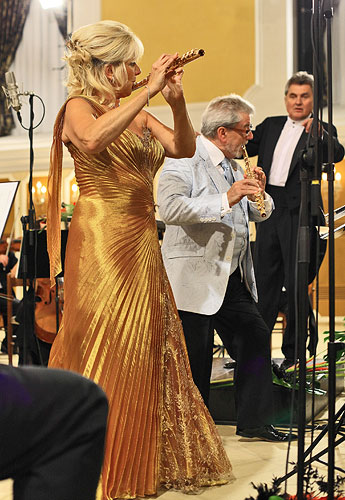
x=54, y=199
x=121, y=327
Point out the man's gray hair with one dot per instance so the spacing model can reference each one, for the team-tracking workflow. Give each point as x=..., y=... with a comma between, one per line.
x=224, y=111
x=300, y=78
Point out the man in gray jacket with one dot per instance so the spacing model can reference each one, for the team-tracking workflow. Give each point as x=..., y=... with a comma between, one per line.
x=206, y=203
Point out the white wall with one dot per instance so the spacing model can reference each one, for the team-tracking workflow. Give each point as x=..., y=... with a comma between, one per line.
x=338, y=45
x=85, y=12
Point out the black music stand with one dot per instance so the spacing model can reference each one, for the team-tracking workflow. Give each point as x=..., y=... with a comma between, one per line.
x=322, y=11
x=38, y=260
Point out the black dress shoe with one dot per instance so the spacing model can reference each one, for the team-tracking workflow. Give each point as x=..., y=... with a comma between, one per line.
x=266, y=433
x=287, y=363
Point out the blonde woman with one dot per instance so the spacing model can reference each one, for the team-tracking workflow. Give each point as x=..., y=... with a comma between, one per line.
x=120, y=325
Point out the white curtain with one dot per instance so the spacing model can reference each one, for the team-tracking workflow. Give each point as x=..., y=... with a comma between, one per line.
x=37, y=68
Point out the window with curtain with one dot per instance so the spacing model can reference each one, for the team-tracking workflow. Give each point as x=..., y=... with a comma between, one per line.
x=38, y=67
x=13, y=14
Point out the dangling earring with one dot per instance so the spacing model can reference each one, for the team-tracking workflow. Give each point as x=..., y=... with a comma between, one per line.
x=112, y=79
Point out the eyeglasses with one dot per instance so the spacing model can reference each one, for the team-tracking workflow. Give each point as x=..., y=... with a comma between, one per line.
x=246, y=132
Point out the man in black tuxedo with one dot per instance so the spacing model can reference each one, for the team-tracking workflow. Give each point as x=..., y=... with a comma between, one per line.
x=278, y=142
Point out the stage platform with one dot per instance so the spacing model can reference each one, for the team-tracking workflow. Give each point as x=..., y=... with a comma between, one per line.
x=222, y=401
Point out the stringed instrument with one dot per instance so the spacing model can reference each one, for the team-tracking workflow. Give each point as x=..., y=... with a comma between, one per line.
x=46, y=321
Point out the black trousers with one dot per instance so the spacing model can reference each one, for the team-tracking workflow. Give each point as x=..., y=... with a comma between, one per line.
x=52, y=429
x=247, y=340
x=275, y=267
x=275, y=252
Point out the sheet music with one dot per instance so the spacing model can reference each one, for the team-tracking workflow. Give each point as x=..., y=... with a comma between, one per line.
x=7, y=194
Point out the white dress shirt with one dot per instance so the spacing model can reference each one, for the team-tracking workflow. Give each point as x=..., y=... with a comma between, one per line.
x=216, y=157
x=284, y=151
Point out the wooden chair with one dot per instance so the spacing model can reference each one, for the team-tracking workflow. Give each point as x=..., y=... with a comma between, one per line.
x=11, y=283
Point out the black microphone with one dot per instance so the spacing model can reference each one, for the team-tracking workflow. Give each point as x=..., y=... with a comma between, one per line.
x=11, y=91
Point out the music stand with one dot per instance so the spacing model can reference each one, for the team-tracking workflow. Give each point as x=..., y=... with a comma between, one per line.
x=8, y=191
x=38, y=259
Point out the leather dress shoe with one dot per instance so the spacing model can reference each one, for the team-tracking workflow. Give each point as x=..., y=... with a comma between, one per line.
x=266, y=433
x=286, y=363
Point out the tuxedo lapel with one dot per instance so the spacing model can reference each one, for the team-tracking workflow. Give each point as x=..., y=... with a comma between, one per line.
x=272, y=138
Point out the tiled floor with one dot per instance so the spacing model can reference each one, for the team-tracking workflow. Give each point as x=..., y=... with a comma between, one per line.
x=252, y=461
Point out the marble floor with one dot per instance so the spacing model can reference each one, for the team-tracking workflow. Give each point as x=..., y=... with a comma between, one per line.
x=256, y=462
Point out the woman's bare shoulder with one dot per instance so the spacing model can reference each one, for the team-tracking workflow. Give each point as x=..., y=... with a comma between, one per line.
x=78, y=104
x=78, y=110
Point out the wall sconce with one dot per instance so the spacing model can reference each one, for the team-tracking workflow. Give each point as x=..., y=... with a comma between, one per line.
x=39, y=192
x=337, y=176
x=39, y=195
x=337, y=182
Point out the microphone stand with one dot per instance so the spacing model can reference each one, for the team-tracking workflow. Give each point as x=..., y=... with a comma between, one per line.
x=28, y=221
x=310, y=175
x=313, y=156
x=303, y=249
x=332, y=345
x=28, y=227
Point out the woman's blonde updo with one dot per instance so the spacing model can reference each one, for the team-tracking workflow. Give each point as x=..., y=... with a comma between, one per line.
x=90, y=49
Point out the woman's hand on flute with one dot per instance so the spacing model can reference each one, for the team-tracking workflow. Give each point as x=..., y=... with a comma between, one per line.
x=173, y=91
x=160, y=73
x=178, y=142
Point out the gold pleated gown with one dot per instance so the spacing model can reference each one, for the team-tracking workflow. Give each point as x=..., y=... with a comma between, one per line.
x=120, y=325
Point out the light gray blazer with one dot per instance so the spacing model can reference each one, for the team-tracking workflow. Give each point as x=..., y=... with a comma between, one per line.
x=198, y=243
